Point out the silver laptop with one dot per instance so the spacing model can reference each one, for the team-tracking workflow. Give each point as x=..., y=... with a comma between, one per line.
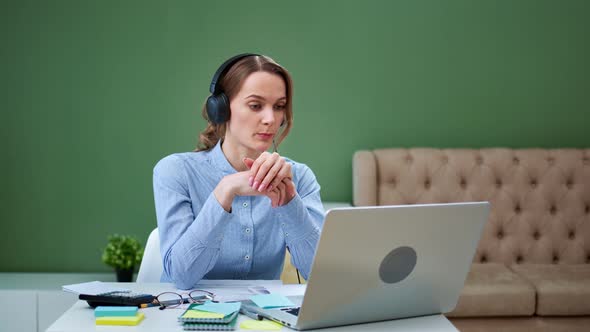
x=386, y=262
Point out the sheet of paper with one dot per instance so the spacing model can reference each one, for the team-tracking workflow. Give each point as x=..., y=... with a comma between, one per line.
x=91, y=288
x=268, y=301
x=238, y=283
x=231, y=293
x=287, y=290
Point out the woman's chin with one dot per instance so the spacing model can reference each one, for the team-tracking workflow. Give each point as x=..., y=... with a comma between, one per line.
x=262, y=146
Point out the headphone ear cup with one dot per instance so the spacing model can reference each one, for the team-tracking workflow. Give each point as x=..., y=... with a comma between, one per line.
x=218, y=108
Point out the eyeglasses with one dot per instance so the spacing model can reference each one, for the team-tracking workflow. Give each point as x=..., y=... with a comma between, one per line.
x=172, y=300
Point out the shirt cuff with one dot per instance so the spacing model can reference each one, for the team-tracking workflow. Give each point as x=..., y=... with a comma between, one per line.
x=295, y=222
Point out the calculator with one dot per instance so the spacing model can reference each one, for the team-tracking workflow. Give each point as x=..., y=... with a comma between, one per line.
x=117, y=298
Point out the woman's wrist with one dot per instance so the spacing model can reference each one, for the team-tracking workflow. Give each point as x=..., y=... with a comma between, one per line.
x=224, y=194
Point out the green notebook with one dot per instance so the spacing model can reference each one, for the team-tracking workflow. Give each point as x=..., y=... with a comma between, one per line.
x=193, y=315
x=228, y=323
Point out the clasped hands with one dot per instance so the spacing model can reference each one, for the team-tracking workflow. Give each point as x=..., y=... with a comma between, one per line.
x=271, y=175
x=268, y=175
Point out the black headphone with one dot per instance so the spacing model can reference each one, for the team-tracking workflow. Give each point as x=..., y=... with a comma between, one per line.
x=218, y=102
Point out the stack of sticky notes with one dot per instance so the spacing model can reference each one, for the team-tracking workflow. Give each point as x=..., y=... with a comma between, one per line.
x=269, y=301
x=210, y=316
x=111, y=315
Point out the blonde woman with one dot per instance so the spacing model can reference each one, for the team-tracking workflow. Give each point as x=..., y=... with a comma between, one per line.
x=229, y=209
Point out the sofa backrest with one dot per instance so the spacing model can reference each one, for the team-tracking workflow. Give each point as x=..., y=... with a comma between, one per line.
x=540, y=198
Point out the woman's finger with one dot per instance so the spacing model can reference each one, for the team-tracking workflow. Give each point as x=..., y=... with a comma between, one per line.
x=271, y=174
x=284, y=172
x=256, y=165
x=274, y=197
x=263, y=169
x=282, y=190
x=259, y=171
x=290, y=189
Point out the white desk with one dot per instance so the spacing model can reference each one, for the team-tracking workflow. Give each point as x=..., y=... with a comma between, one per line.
x=80, y=318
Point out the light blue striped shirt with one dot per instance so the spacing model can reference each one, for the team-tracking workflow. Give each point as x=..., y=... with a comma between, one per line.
x=200, y=240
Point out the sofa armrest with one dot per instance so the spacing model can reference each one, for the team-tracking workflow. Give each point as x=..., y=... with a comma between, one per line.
x=364, y=179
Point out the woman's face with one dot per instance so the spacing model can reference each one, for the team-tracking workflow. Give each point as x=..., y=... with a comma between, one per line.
x=257, y=112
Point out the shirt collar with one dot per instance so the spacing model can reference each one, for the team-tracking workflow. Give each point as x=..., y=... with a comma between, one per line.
x=219, y=159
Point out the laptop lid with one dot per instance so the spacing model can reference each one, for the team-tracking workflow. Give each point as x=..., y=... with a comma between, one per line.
x=387, y=262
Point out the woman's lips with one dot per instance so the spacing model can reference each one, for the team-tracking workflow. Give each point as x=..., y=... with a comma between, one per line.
x=265, y=136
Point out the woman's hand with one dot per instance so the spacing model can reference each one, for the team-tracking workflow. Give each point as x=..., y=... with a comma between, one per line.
x=231, y=186
x=267, y=171
x=280, y=193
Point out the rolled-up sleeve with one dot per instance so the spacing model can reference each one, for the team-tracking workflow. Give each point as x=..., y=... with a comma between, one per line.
x=302, y=220
x=189, y=244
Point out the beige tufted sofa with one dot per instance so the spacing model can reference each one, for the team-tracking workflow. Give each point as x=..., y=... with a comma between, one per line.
x=531, y=270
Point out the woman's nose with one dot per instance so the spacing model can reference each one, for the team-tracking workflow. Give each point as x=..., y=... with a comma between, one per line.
x=268, y=116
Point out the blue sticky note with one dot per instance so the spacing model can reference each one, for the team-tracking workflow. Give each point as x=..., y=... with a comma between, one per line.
x=267, y=301
x=220, y=308
x=114, y=311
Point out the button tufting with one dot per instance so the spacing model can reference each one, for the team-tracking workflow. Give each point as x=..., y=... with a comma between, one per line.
x=393, y=182
x=571, y=235
x=555, y=259
x=551, y=160
x=518, y=259
x=553, y=210
x=536, y=235
x=409, y=159
x=498, y=183
x=588, y=258
x=463, y=183
x=427, y=184
x=517, y=209
x=484, y=259
x=587, y=209
x=534, y=183
x=586, y=160
x=500, y=234
x=479, y=160
x=515, y=160
x=569, y=184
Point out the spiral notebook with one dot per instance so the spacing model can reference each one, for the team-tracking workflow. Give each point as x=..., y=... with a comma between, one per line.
x=223, y=320
x=229, y=326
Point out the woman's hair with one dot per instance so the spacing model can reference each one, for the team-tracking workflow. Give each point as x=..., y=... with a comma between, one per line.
x=231, y=84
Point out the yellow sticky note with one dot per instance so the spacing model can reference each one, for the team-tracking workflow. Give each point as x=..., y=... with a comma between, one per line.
x=266, y=325
x=120, y=320
x=201, y=314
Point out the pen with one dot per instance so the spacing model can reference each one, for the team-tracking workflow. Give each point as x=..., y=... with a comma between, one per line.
x=251, y=314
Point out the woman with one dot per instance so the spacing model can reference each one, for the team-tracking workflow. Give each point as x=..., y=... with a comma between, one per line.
x=229, y=209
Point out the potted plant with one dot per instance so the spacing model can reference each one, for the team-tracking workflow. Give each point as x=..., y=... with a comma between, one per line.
x=123, y=253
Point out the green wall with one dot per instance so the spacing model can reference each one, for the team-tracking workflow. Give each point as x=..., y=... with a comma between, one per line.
x=94, y=93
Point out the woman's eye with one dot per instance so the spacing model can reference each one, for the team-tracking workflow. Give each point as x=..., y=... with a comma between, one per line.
x=254, y=107
x=280, y=107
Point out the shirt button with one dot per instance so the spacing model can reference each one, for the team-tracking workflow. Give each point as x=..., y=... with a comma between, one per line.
x=245, y=204
x=247, y=257
x=283, y=224
x=286, y=233
x=247, y=230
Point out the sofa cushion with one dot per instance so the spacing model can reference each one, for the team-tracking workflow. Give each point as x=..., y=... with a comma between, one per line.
x=494, y=290
x=562, y=290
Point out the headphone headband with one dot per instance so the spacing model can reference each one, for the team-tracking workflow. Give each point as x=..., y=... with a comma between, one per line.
x=226, y=65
